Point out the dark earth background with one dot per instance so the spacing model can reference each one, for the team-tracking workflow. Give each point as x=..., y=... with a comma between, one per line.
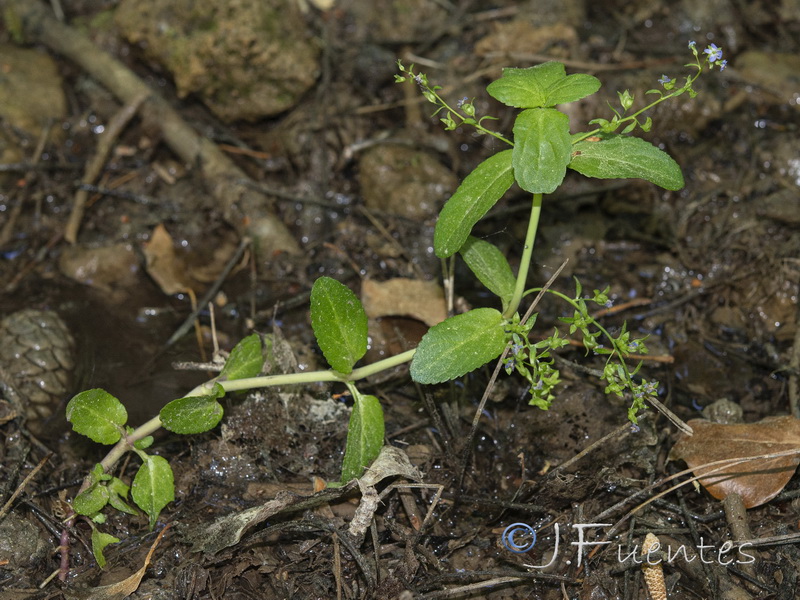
x=306, y=145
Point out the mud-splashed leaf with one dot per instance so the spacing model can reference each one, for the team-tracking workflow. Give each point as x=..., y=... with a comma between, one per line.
x=756, y=481
x=121, y=589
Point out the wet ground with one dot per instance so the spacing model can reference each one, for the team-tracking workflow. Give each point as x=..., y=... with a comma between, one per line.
x=300, y=104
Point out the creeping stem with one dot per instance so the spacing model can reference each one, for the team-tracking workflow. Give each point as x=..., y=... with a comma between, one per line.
x=522, y=274
x=154, y=424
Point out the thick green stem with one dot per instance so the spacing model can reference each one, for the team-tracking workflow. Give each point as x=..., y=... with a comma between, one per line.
x=522, y=274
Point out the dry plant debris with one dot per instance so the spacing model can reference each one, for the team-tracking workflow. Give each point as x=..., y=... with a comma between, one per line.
x=771, y=445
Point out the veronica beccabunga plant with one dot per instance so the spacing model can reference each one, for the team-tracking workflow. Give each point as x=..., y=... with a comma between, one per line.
x=542, y=150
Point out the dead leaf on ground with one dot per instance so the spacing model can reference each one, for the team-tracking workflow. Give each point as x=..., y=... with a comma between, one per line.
x=113, y=270
x=176, y=272
x=523, y=37
x=228, y=530
x=121, y=589
x=756, y=481
x=421, y=300
x=164, y=265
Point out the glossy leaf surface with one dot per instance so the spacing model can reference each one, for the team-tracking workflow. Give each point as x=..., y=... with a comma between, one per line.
x=339, y=323
x=98, y=415
x=364, y=436
x=622, y=157
x=542, y=149
x=459, y=345
x=490, y=267
x=245, y=360
x=479, y=192
x=193, y=414
x=153, y=487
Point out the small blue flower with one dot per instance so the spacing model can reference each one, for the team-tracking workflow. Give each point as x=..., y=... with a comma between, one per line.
x=462, y=102
x=723, y=64
x=714, y=53
x=692, y=44
x=664, y=80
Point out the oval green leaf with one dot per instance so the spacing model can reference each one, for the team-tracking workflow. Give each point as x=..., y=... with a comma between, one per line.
x=479, y=192
x=527, y=88
x=459, y=345
x=98, y=415
x=193, y=414
x=92, y=500
x=542, y=149
x=364, y=436
x=245, y=360
x=571, y=88
x=622, y=157
x=490, y=267
x=153, y=487
x=339, y=323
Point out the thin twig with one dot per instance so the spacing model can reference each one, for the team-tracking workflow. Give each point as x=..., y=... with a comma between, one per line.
x=22, y=485
x=624, y=428
x=93, y=169
x=209, y=295
x=10, y=226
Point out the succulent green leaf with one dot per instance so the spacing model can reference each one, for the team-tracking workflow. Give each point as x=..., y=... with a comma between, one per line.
x=542, y=146
x=364, y=436
x=192, y=414
x=99, y=542
x=527, y=88
x=459, y=345
x=490, y=267
x=624, y=157
x=153, y=487
x=339, y=323
x=571, y=88
x=245, y=360
x=91, y=500
x=479, y=192
x=98, y=415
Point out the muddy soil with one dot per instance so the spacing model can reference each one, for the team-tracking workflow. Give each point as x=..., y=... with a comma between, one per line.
x=341, y=172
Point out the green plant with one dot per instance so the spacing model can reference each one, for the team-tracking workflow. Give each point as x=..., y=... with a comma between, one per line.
x=537, y=160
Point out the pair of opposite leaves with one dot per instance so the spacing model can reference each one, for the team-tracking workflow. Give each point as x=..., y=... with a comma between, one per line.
x=769, y=449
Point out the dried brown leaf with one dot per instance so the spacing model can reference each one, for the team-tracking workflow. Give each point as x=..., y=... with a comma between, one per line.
x=121, y=589
x=758, y=480
x=164, y=265
x=421, y=300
